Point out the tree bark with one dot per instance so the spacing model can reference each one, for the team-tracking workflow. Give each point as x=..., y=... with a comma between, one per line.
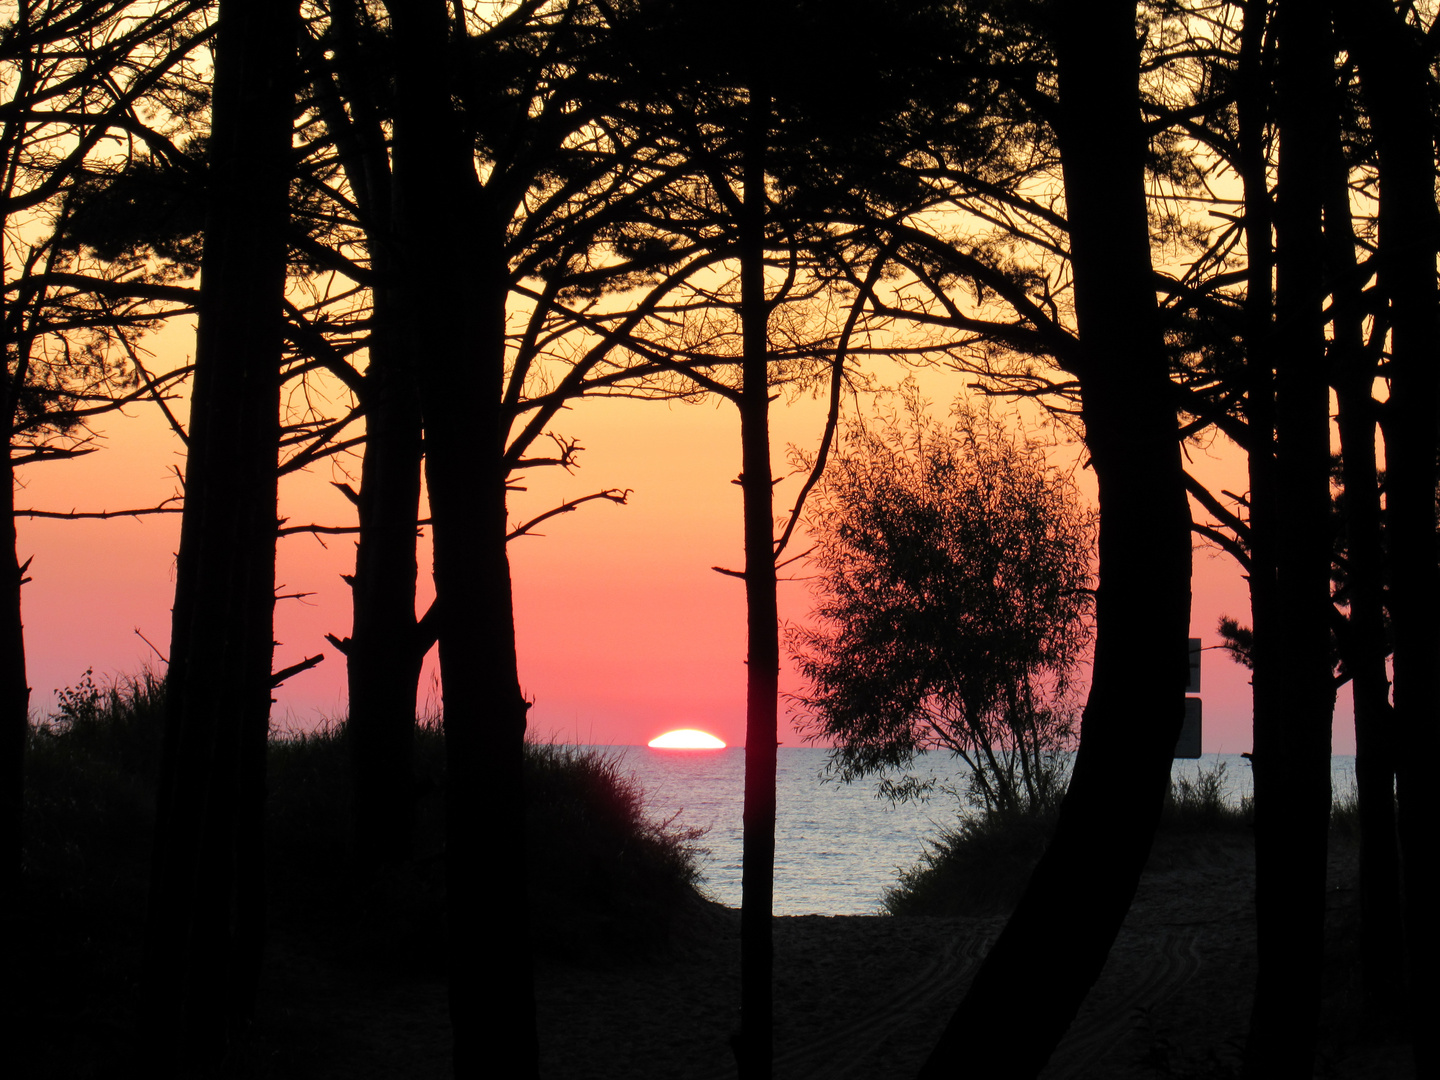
x=1364, y=645
x=1394, y=81
x=1253, y=107
x=756, y=1039
x=454, y=287
x=384, y=657
x=1133, y=714
x=383, y=653
x=14, y=696
x=1292, y=744
x=206, y=918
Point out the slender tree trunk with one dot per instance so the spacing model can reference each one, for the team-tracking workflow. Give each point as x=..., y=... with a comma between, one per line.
x=1394, y=76
x=383, y=655
x=1364, y=647
x=1292, y=744
x=383, y=652
x=756, y=1040
x=14, y=695
x=454, y=286
x=1253, y=113
x=1010, y=1022
x=206, y=917
x=14, y=683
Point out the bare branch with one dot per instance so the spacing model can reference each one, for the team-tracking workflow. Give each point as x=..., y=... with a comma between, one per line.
x=77, y=515
x=295, y=669
x=614, y=495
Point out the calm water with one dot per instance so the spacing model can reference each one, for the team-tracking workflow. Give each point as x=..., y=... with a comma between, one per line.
x=837, y=847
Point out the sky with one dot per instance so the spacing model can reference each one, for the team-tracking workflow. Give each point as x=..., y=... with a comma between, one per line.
x=624, y=631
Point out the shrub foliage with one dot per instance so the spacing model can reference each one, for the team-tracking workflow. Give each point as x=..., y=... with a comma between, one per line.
x=952, y=604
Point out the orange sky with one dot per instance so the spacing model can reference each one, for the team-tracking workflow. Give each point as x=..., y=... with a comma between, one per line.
x=624, y=630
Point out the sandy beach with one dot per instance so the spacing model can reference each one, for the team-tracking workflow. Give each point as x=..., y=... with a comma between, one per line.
x=857, y=997
x=863, y=997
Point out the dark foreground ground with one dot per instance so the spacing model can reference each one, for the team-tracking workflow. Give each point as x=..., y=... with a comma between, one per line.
x=863, y=997
x=859, y=997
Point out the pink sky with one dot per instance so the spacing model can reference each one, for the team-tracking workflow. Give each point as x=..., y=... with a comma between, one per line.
x=624, y=630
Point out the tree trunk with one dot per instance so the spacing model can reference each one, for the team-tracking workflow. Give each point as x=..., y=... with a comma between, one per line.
x=1253, y=107
x=756, y=1039
x=383, y=653
x=383, y=657
x=1394, y=80
x=206, y=917
x=1292, y=744
x=14, y=697
x=1364, y=646
x=1133, y=714
x=454, y=287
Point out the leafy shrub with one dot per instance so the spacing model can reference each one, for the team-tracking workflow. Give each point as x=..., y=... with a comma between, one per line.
x=121, y=722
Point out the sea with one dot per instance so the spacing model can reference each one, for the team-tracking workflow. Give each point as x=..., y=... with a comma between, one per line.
x=838, y=846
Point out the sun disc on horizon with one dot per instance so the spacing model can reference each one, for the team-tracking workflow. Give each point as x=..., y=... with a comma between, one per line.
x=686, y=739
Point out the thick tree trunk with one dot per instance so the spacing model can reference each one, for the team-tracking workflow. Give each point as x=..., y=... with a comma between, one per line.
x=206, y=917
x=453, y=297
x=1292, y=744
x=1364, y=645
x=756, y=1039
x=1394, y=79
x=1088, y=875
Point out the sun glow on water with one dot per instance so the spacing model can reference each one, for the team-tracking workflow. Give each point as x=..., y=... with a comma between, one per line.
x=687, y=739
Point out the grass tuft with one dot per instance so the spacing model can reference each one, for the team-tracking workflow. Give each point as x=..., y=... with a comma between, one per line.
x=605, y=877
x=980, y=865
x=1198, y=805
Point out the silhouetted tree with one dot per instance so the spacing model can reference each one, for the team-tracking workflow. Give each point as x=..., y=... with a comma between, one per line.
x=443, y=120
x=1363, y=637
x=953, y=595
x=1254, y=355
x=783, y=174
x=1133, y=713
x=1396, y=79
x=1292, y=742
x=492, y=1001
x=561, y=258
x=385, y=648
x=74, y=74
x=206, y=918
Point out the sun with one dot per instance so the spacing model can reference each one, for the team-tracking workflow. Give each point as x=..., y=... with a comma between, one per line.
x=687, y=739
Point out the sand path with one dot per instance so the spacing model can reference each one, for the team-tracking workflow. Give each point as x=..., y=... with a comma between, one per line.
x=861, y=997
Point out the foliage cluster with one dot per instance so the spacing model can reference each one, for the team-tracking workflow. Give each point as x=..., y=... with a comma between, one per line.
x=952, y=602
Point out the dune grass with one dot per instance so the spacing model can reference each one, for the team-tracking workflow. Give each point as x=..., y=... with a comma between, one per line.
x=980, y=865
x=598, y=859
x=607, y=883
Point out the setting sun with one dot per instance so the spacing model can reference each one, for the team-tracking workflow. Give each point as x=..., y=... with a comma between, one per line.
x=687, y=739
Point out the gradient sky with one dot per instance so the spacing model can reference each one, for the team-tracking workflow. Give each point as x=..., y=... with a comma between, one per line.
x=624, y=631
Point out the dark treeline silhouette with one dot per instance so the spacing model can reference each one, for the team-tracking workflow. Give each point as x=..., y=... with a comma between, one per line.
x=534, y=203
